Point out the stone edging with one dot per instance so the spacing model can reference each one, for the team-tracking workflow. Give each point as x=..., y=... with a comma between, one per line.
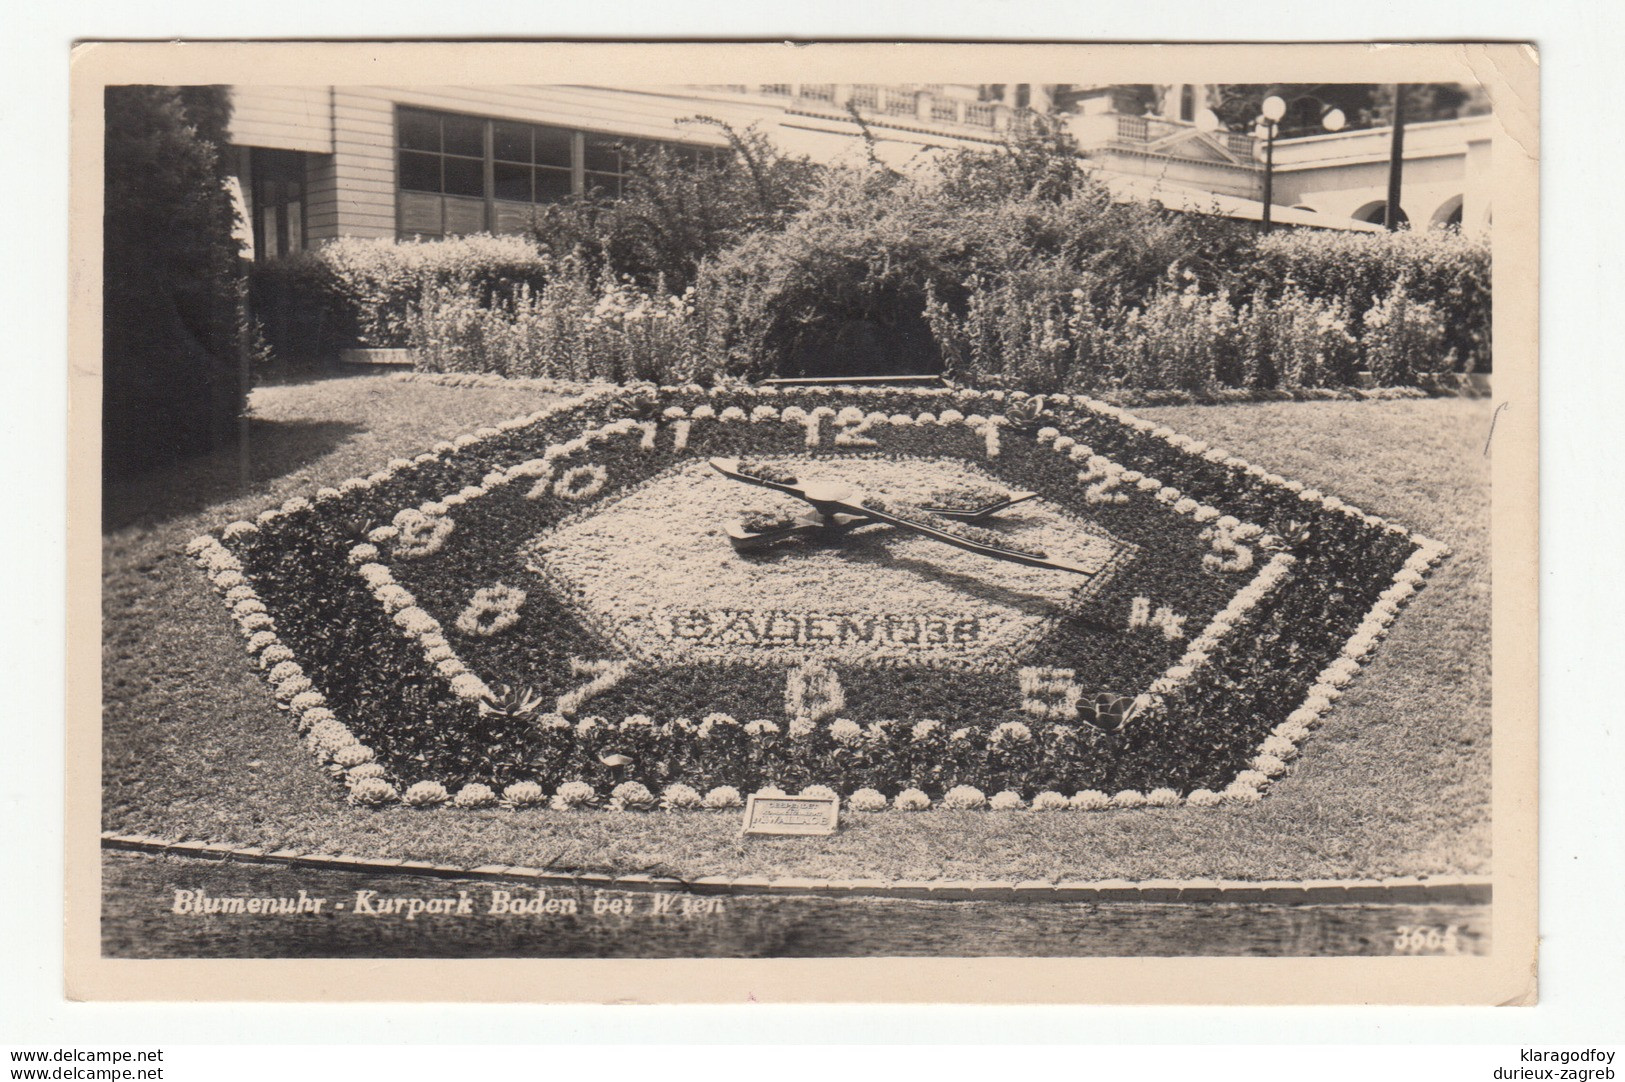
x=1443, y=890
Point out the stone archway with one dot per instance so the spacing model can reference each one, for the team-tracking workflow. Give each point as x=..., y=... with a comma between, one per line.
x=1375, y=211
x=1448, y=214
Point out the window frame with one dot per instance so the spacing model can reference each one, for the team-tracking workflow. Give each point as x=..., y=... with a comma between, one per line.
x=579, y=174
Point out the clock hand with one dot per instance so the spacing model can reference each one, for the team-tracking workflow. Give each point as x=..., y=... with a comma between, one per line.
x=744, y=537
x=833, y=500
x=960, y=514
x=997, y=552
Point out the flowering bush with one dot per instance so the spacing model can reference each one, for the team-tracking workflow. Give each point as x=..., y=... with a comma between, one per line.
x=867, y=800
x=573, y=794
x=373, y=792
x=475, y=795
x=964, y=797
x=1091, y=800
x=631, y=796
x=679, y=797
x=911, y=800
x=1404, y=337
x=724, y=796
x=524, y=794
x=425, y=794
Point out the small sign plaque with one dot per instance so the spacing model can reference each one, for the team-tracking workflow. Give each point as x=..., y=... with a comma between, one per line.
x=791, y=814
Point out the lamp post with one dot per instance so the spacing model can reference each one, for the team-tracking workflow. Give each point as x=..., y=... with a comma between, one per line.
x=1270, y=113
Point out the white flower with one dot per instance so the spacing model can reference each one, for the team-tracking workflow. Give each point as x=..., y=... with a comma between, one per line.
x=1091, y=800
x=1203, y=798
x=723, y=796
x=845, y=731
x=372, y=792
x=867, y=800
x=923, y=729
x=1237, y=793
x=1253, y=779
x=1013, y=731
x=352, y=755
x=468, y=686
x=239, y=529
x=1269, y=765
x=1163, y=798
x=1050, y=801
x=680, y=797
x=573, y=794
x=1007, y=801
x=911, y=799
x=1129, y=798
x=425, y=794
x=801, y=726
x=761, y=727
x=964, y=797
x=631, y=796
x=523, y=794
x=475, y=795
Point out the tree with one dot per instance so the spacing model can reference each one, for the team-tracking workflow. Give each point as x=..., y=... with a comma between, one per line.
x=171, y=281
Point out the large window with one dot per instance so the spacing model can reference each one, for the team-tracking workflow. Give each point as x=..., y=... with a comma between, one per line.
x=464, y=174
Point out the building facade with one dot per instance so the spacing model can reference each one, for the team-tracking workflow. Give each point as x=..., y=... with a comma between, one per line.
x=321, y=162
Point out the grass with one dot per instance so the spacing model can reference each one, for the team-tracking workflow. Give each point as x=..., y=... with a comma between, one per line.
x=1396, y=782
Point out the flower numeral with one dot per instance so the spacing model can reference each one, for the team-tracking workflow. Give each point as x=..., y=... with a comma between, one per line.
x=813, y=691
x=1050, y=693
x=853, y=431
x=1170, y=623
x=605, y=674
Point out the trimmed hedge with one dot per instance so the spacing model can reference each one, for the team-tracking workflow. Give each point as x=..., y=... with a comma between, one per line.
x=356, y=292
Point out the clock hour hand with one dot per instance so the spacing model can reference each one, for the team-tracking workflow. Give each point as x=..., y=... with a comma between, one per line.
x=744, y=535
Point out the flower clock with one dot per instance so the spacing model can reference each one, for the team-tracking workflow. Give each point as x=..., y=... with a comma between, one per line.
x=665, y=598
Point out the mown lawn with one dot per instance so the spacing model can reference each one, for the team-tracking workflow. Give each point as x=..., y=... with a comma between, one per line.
x=1396, y=782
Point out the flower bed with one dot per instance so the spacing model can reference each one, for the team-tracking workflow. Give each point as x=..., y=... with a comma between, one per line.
x=548, y=611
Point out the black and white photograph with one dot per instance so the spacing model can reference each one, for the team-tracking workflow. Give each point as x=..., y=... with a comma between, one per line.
x=551, y=504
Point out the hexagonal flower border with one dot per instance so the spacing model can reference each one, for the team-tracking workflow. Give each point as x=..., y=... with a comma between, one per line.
x=633, y=412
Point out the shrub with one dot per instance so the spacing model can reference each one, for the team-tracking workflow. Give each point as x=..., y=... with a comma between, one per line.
x=867, y=800
x=1445, y=268
x=1404, y=337
x=171, y=281
x=568, y=328
x=363, y=292
x=679, y=797
x=523, y=794
x=843, y=288
x=425, y=794
x=678, y=207
x=724, y=796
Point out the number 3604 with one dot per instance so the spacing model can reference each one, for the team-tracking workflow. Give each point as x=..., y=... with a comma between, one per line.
x=1426, y=939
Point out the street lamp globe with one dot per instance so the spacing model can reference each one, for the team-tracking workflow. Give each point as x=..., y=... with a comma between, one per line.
x=1333, y=120
x=1274, y=107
